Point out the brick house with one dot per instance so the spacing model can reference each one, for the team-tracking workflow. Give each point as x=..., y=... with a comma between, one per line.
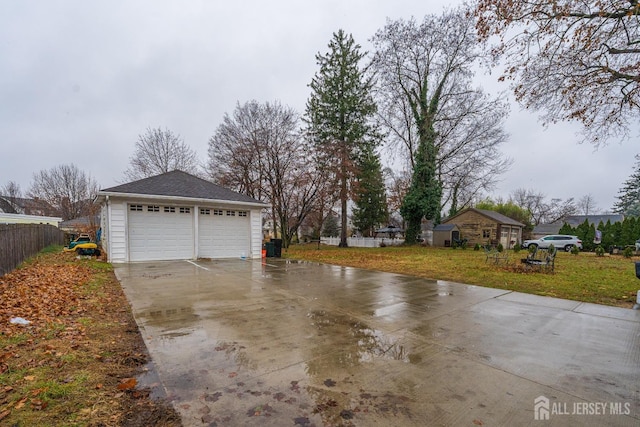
x=483, y=226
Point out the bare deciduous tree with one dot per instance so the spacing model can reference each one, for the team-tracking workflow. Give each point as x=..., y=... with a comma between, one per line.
x=587, y=205
x=573, y=59
x=258, y=151
x=67, y=189
x=397, y=184
x=541, y=210
x=159, y=151
x=10, y=192
x=426, y=98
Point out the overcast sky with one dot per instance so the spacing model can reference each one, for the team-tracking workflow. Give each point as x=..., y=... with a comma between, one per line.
x=81, y=80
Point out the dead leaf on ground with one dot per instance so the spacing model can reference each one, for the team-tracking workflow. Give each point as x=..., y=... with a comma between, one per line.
x=21, y=403
x=127, y=384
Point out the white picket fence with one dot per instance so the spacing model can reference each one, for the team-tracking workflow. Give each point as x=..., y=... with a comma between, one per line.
x=362, y=242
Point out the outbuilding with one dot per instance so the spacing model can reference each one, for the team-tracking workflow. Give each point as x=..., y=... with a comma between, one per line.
x=176, y=216
x=445, y=234
x=480, y=226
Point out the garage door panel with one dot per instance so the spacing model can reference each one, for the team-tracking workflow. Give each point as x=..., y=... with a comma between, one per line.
x=159, y=235
x=223, y=236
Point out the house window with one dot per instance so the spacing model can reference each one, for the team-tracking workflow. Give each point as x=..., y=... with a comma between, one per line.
x=169, y=209
x=486, y=234
x=242, y=213
x=205, y=211
x=135, y=208
x=185, y=210
x=153, y=208
x=231, y=213
x=218, y=212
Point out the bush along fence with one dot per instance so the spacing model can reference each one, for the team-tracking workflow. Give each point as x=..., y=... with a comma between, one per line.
x=21, y=241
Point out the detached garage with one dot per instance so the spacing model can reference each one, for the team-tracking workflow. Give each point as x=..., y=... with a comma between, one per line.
x=178, y=216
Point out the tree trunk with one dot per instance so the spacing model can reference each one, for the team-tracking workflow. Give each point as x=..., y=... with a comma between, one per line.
x=343, y=198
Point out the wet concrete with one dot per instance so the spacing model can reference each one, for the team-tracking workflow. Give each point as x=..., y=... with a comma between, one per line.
x=293, y=343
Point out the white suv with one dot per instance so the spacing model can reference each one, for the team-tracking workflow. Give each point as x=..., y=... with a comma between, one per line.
x=558, y=241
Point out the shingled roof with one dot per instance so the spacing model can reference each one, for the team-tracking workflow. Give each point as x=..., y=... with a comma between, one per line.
x=498, y=217
x=179, y=184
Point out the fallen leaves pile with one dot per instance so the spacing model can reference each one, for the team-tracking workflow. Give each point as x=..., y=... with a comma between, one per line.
x=41, y=294
x=70, y=350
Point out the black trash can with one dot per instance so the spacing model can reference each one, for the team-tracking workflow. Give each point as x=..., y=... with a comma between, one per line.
x=638, y=269
x=270, y=247
x=277, y=251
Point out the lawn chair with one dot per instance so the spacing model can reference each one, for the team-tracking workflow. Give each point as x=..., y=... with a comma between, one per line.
x=542, y=259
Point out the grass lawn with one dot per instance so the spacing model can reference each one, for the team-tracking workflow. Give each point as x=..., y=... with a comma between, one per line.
x=609, y=280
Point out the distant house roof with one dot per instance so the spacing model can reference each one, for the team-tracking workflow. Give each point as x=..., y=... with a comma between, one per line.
x=178, y=184
x=574, y=221
x=444, y=227
x=82, y=222
x=10, y=204
x=497, y=217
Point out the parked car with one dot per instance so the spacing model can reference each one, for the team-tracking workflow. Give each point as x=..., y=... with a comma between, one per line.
x=559, y=241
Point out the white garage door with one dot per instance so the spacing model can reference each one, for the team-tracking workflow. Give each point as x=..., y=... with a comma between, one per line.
x=223, y=233
x=159, y=233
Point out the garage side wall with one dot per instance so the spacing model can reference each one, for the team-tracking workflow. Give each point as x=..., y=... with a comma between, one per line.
x=117, y=231
x=256, y=234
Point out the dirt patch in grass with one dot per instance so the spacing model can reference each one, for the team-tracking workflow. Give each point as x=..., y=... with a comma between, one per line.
x=75, y=363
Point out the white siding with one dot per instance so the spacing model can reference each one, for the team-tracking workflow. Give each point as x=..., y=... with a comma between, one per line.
x=256, y=233
x=118, y=232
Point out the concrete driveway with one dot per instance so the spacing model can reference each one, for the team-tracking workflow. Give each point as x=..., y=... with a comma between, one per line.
x=294, y=343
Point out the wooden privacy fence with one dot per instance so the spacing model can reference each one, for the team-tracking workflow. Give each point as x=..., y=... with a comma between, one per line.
x=20, y=241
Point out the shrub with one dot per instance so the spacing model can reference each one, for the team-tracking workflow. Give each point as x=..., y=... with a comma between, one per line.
x=599, y=251
x=476, y=247
x=628, y=252
x=532, y=249
x=516, y=248
x=575, y=250
x=500, y=247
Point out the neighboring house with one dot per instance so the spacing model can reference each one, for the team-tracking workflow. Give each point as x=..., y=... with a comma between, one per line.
x=541, y=230
x=19, y=205
x=176, y=216
x=483, y=226
x=8, y=218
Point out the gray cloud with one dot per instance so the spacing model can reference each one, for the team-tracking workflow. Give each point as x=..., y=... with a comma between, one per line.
x=79, y=81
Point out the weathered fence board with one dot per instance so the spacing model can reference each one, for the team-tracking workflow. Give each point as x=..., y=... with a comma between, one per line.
x=20, y=241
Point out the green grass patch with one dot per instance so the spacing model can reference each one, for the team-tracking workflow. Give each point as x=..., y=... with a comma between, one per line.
x=607, y=280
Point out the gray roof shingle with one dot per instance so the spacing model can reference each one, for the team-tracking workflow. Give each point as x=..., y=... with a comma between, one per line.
x=180, y=184
x=498, y=217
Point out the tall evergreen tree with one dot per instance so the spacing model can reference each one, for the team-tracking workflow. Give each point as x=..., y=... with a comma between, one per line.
x=369, y=194
x=339, y=113
x=629, y=195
